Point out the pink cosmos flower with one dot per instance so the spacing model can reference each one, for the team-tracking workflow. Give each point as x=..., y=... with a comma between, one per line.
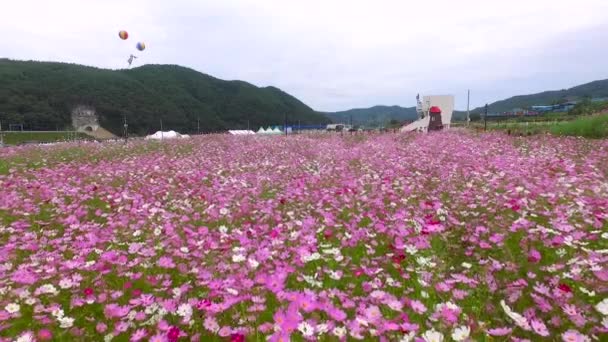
x=534, y=256
x=418, y=307
x=539, y=327
x=159, y=338
x=499, y=331
x=224, y=331
x=45, y=335
x=211, y=324
x=574, y=336
x=138, y=335
x=101, y=327
x=280, y=337
x=165, y=262
x=237, y=338
x=173, y=334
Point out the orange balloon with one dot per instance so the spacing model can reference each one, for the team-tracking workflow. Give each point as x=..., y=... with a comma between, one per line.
x=123, y=35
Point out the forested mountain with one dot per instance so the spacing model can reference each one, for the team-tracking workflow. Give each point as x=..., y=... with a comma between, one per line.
x=41, y=95
x=595, y=89
x=374, y=116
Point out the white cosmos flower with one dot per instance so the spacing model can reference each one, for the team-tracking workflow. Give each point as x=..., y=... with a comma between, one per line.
x=157, y=231
x=339, y=331
x=466, y=265
x=57, y=313
x=432, y=336
x=461, y=333
x=184, y=310
x=306, y=329
x=26, y=337
x=238, y=258
x=12, y=308
x=48, y=289
x=65, y=283
x=408, y=337
x=253, y=263
x=602, y=307
x=184, y=250
x=223, y=229
x=334, y=275
x=321, y=328
x=66, y=322
x=411, y=249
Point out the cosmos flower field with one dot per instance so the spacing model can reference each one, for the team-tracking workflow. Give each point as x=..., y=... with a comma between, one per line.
x=448, y=236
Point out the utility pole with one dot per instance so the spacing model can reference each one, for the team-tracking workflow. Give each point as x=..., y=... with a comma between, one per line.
x=1, y=135
x=198, y=125
x=468, y=112
x=285, y=123
x=161, y=129
x=485, y=119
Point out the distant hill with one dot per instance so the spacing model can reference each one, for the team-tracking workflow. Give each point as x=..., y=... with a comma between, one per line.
x=595, y=89
x=41, y=95
x=374, y=116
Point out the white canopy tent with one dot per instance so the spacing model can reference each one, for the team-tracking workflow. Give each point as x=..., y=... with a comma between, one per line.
x=241, y=132
x=160, y=135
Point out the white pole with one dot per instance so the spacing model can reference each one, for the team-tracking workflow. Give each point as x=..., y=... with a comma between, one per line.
x=468, y=101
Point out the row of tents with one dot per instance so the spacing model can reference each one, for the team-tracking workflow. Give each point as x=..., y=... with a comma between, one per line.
x=160, y=135
x=269, y=130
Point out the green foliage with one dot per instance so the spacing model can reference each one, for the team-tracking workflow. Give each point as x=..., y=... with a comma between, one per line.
x=587, y=107
x=42, y=95
x=375, y=116
x=589, y=127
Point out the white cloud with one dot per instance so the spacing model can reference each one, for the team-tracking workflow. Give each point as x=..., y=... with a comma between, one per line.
x=334, y=54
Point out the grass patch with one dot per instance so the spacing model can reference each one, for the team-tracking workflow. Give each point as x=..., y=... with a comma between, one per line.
x=588, y=127
x=17, y=138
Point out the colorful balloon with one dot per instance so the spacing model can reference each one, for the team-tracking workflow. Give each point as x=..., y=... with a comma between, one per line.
x=123, y=35
x=141, y=46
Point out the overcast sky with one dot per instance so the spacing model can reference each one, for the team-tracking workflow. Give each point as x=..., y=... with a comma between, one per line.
x=331, y=54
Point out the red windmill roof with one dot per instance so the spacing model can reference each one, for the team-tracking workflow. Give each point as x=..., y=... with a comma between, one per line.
x=435, y=109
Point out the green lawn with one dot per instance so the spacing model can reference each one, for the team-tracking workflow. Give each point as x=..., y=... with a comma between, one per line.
x=588, y=127
x=16, y=138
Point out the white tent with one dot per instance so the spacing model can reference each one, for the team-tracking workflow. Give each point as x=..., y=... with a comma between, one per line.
x=160, y=135
x=276, y=131
x=261, y=130
x=241, y=132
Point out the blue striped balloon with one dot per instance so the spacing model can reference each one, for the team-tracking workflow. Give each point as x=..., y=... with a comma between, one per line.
x=141, y=46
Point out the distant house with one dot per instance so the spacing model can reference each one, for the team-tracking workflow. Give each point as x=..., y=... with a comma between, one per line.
x=562, y=107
